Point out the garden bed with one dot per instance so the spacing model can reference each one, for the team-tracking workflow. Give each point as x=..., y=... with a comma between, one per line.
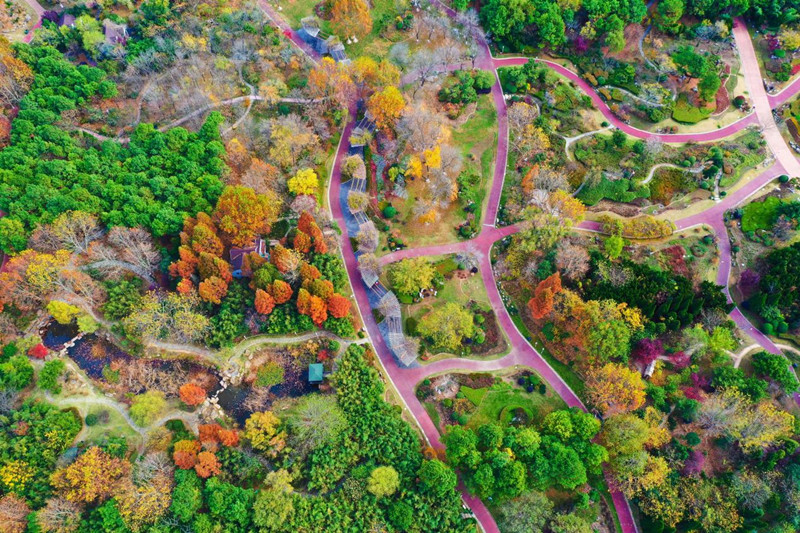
x=510, y=397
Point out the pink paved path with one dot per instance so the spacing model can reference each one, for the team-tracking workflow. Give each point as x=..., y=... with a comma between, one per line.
x=739, y=125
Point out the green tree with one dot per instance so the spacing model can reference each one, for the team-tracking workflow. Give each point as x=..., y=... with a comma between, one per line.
x=529, y=513
x=383, y=481
x=436, y=477
x=13, y=238
x=48, y=376
x=187, y=496
x=147, y=407
x=16, y=372
x=447, y=326
x=613, y=246
x=410, y=276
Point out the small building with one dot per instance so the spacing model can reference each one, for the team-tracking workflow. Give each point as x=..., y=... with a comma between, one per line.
x=67, y=20
x=115, y=33
x=316, y=372
x=237, y=256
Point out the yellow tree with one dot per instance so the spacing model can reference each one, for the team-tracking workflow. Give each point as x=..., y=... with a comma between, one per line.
x=371, y=75
x=386, y=107
x=615, y=389
x=262, y=431
x=92, y=478
x=304, y=182
x=350, y=18
x=329, y=79
x=241, y=214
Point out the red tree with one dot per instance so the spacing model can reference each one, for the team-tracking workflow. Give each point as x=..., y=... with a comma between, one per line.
x=281, y=291
x=302, y=242
x=185, y=453
x=192, y=394
x=647, y=351
x=309, y=272
x=207, y=465
x=305, y=222
x=39, y=351
x=264, y=303
x=338, y=306
x=318, y=311
x=542, y=302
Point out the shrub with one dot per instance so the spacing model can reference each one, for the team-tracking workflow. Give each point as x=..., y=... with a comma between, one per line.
x=91, y=419
x=389, y=211
x=269, y=374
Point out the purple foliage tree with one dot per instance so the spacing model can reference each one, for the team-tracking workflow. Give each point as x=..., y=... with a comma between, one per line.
x=647, y=351
x=694, y=464
x=748, y=282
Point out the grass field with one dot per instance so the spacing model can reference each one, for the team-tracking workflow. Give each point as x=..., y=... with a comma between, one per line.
x=760, y=215
x=505, y=397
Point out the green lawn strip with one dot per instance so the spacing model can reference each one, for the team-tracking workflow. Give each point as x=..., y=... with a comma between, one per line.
x=433, y=413
x=474, y=395
x=567, y=374
x=599, y=484
x=687, y=113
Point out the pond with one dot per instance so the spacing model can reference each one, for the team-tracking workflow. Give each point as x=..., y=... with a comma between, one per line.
x=241, y=401
x=58, y=334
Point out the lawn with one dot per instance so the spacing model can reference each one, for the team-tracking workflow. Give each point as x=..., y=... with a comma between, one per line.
x=620, y=190
x=760, y=215
x=502, y=398
x=687, y=113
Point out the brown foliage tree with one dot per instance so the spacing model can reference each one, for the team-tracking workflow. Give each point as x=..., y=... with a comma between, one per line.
x=13, y=514
x=212, y=290
x=241, y=214
x=207, y=465
x=281, y=291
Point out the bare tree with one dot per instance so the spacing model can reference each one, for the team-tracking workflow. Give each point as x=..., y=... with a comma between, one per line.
x=128, y=249
x=59, y=516
x=520, y=115
x=653, y=146
x=369, y=265
x=44, y=240
x=550, y=180
x=419, y=128
x=152, y=465
x=76, y=230
x=424, y=67
x=367, y=238
x=572, y=261
x=467, y=260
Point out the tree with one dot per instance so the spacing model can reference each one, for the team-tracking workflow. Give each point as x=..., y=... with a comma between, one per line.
x=13, y=514
x=304, y=182
x=350, y=18
x=50, y=374
x=647, y=351
x=212, y=290
x=386, y=107
x=542, y=302
x=280, y=291
x=264, y=302
x=315, y=421
x=570, y=523
x=383, y=481
x=261, y=431
x=669, y=13
x=184, y=453
x=572, y=260
x=241, y=214
x=59, y=516
x=13, y=237
x=92, y=478
x=171, y=316
x=147, y=407
x=410, y=276
x=76, y=230
x=192, y=394
x=776, y=368
x=447, y=326
x=437, y=478
x=529, y=513
x=301, y=242
x=614, y=389
x=274, y=506
x=318, y=311
x=338, y=306
x=207, y=465
x=63, y=312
